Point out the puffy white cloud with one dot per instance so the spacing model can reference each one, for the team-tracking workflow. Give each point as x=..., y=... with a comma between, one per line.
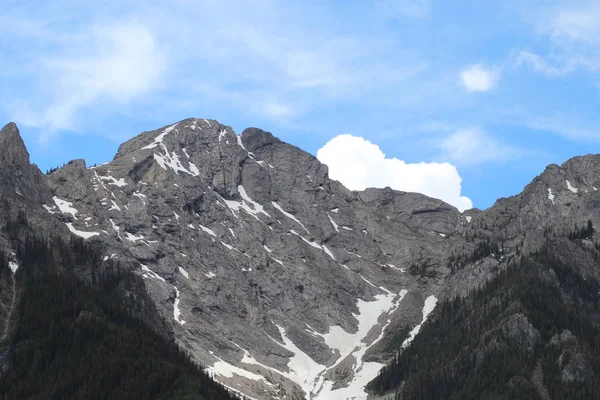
x=476, y=78
x=358, y=164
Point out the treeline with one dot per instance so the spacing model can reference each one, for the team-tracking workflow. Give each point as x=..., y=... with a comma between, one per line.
x=80, y=339
x=464, y=353
x=585, y=232
x=53, y=169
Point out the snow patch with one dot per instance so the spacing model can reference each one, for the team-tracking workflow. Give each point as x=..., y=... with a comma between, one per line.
x=49, y=209
x=314, y=244
x=13, y=266
x=65, y=207
x=112, y=180
x=571, y=188
x=171, y=160
x=430, y=303
x=194, y=169
x=239, y=142
x=83, y=234
x=247, y=204
x=354, y=344
x=302, y=369
x=150, y=274
x=290, y=216
x=278, y=261
x=158, y=140
x=550, y=196
x=184, y=273
x=227, y=370
x=230, y=247
x=133, y=238
x=207, y=230
x=176, y=310
x=335, y=226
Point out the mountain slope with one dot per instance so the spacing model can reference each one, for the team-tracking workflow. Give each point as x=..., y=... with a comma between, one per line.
x=275, y=277
x=279, y=281
x=537, y=317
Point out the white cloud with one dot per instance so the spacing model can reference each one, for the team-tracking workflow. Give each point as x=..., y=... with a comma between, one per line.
x=477, y=78
x=566, y=126
x=539, y=64
x=103, y=65
x=474, y=146
x=574, y=35
x=277, y=110
x=358, y=164
x=120, y=63
x=576, y=23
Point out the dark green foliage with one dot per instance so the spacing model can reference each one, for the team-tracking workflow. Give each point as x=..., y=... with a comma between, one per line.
x=75, y=342
x=3, y=264
x=586, y=232
x=82, y=338
x=51, y=170
x=463, y=353
x=483, y=249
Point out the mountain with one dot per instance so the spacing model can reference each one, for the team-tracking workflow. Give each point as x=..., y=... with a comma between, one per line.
x=282, y=283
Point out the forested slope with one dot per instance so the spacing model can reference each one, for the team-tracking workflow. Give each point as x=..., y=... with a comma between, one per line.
x=81, y=338
x=531, y=331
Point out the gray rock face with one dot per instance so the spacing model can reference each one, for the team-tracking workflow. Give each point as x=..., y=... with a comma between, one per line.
x=17, y=175
x=576, y=369
x=565, y=336
x=519, y=329
x=281, y=281
x=275, y=277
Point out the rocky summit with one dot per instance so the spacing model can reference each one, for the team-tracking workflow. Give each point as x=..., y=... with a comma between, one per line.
x=279, y=281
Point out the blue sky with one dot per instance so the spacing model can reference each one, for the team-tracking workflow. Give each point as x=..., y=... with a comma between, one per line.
x=483, y=94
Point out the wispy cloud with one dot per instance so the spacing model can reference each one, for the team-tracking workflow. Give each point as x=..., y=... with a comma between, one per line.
x=567, y=127
x=115, y=63
x=555, y=68
x=473, y=146
x=573, y=33
x=294, y=63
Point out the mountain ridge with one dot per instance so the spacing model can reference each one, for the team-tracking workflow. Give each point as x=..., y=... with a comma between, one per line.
x=279, y=280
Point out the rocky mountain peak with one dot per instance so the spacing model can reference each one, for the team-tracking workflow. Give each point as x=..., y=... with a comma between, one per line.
x=12, y=148
x=192, y=134
x=254, y=138
x=281, y=281
x=17, y=175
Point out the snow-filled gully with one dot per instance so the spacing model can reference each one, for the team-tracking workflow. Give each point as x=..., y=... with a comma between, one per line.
x=310, y=375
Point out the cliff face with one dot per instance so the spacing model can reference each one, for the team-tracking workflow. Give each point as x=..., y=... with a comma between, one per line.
x=281, y=281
